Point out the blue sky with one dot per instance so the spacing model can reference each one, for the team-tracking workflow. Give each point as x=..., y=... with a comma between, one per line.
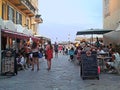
x=62, y=18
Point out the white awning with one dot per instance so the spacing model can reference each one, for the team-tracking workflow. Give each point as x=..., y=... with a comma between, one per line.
x=1, y=23
x=25, y=31
x=9, y=25
x=30, y=32
x=19, y=28
x=112, y=37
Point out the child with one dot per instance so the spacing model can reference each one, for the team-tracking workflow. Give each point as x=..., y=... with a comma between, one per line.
x=21, y=62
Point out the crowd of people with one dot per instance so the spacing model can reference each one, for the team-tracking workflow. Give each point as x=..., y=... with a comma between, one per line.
x=112, y=63
x=28, y=56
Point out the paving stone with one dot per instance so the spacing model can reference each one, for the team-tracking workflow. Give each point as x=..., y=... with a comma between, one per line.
x=64, y=75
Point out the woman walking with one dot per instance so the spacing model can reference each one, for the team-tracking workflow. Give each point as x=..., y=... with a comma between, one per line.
x=49, y=54
x=35, y=50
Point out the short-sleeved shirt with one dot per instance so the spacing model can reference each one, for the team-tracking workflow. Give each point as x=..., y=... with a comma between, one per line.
x=56, y=48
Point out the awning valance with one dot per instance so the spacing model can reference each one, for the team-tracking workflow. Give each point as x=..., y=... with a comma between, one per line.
x=8, y=33
x=13, y=34
x=35, y=39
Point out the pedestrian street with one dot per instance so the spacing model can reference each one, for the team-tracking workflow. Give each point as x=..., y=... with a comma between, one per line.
x=64, y=75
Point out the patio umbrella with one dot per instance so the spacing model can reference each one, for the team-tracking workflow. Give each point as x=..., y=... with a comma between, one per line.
x=112, y=37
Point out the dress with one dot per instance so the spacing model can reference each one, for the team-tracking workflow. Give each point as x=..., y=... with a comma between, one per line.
x=49, y=52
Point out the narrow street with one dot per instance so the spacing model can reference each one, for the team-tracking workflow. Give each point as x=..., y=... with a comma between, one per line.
x=64, y=75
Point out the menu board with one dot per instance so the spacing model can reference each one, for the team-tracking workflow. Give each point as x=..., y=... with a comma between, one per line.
x=89, y=67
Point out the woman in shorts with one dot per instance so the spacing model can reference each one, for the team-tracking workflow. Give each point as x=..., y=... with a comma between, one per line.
x=35, y=50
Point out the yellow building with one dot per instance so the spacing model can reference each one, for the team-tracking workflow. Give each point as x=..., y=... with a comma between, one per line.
x=19, y=21
x=111, y=14
x=23, y=12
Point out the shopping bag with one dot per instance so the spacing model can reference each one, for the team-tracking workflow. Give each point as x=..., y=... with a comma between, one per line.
x=40, y=55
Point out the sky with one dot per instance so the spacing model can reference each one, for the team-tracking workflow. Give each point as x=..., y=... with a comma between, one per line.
x=63, y=18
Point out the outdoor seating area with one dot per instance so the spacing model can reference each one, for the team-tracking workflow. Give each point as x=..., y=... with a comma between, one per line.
x=102, y=59
x=104, y=55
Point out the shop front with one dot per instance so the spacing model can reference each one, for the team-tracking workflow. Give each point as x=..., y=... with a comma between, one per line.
x=11, y=42
x=13, y=38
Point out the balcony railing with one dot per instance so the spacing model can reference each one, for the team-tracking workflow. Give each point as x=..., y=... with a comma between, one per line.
x=28, y=5
x=38, y=19
x=25, y=6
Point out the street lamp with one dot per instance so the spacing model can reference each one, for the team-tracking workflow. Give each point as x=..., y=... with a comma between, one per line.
x=56, y=39
x=68, y=38
x=92, y=37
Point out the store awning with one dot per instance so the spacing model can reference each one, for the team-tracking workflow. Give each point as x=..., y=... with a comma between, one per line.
x=93, y=31
x=9, y=25
x=12, y=34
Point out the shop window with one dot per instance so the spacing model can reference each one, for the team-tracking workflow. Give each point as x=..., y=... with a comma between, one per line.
x=18, y=18
x=27, y=22
x=11, y=14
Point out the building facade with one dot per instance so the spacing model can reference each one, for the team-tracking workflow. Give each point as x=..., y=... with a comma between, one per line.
x=111, y=14
x=23, y=12
x=19, y=21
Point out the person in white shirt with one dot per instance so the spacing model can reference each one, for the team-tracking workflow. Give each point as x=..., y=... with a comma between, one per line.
x=21, y=62
x=112, y=66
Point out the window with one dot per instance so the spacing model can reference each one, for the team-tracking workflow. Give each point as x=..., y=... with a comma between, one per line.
x=27, y=23
x=11, y=13
x=18, y=18
x=3, y=11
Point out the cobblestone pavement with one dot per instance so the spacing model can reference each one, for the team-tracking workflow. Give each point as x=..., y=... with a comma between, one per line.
x=64, y=75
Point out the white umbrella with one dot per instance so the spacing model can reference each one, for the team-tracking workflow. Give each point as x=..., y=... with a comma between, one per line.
x=112, y=37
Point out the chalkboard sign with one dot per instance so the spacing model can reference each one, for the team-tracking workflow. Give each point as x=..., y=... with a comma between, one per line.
x=89, y=67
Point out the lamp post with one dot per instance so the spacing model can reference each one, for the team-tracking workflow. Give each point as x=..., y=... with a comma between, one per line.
x=56, y=39
x=92, y=37
x=68, y=38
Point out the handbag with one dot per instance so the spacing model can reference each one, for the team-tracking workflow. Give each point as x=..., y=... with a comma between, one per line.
x=40, y=55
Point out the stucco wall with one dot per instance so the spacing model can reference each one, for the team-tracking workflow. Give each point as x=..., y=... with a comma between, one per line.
x=111, y=21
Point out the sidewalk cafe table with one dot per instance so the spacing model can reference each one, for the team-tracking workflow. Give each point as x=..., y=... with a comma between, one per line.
x=103, y=60
x=103, y=54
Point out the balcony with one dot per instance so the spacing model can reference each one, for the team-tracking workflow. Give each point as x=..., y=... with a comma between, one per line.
x=38, y=19
x=25, y=6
